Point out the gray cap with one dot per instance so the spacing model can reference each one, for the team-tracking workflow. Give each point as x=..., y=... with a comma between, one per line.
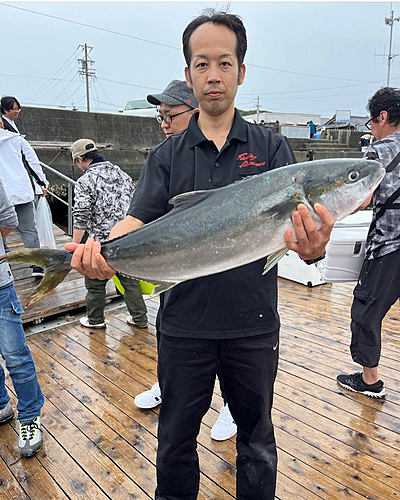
x=81, y=147
x=177, y=92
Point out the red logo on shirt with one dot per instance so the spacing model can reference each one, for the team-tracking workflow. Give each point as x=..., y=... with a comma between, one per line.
x=247, y=160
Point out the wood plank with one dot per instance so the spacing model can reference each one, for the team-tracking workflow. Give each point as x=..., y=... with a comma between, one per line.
x=119, y=398
x=10, y=489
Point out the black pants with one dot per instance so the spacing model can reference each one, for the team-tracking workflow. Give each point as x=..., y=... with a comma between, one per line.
x=221, y=382
x=186, y=371
x=377, y=290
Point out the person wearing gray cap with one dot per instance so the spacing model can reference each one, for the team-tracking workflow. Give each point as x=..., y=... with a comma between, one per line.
x=174, y=103
x=177, y=104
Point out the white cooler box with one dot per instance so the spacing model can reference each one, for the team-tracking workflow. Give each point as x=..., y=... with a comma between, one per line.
x=346, y=248
x=293, y=268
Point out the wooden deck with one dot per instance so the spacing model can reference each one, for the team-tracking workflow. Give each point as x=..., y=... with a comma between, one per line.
x=332, y=444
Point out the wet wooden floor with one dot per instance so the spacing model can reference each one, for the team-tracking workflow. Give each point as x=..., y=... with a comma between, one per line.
x=332, y=444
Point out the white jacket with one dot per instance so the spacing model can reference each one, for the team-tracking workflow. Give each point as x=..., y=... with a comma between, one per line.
x=13, y=174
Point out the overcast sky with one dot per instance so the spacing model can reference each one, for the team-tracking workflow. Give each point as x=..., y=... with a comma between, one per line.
x=304, y=57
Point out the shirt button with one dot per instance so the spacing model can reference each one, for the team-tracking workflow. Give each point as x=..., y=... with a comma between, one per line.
x=217, y=164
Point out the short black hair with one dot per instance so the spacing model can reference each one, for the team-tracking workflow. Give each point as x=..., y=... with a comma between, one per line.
x=92, y=155
x=221, y=18
x=386, y=99
x=7, y=103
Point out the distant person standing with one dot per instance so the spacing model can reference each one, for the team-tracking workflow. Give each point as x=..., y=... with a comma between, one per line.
x=378, y=286
x=10, y=109
x=177, y=104
x=310, y=155
x=313, y=128
x=102, y=197
x=365, y=140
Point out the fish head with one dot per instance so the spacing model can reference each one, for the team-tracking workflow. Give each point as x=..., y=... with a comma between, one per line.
x=342, y=185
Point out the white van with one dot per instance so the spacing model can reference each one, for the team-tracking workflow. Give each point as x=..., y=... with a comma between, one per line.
x=139, y=107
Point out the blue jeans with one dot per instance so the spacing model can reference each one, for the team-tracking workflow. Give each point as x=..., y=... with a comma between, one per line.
x=18, y=358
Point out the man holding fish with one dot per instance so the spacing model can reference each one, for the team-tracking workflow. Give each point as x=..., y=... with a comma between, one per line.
x=230, y=317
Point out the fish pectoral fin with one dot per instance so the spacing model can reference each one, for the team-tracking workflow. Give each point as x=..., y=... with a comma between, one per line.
x=161, y=287
x=189, y=199
x=273, y=259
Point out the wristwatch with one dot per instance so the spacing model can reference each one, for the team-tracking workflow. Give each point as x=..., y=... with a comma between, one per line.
x=313, y=261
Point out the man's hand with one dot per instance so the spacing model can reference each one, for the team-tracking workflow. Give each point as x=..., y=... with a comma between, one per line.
x=88, y=261
x=44, y=192
x=310, y=243
x=87, y=258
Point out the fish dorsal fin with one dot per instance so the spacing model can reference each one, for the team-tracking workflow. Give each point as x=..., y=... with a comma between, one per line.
x=189, y=199
x=273, y=259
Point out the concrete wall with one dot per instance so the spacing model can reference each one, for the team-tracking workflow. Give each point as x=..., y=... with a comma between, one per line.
x=125, y=134
x=49, y=129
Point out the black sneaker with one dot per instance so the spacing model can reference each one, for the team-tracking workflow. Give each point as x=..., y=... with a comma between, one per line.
x=37, y=271
x=355, y=383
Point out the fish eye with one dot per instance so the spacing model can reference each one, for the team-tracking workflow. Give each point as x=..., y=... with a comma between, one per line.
x=353, y=176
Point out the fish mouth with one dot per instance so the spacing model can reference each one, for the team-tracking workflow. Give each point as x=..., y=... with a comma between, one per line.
x=377, y=178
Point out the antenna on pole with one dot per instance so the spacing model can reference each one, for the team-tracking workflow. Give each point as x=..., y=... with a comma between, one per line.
x=389, y=21
x=258, y=109
x=85, y=71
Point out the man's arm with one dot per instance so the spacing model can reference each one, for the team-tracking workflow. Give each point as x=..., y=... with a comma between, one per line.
x=87, y=258
x=33, y=162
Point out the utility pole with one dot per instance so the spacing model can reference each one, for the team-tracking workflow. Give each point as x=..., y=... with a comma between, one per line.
x=258, y=109
x=85, y=71
x=390, y=21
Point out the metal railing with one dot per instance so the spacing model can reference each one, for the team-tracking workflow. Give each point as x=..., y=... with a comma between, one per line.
x=70, y=186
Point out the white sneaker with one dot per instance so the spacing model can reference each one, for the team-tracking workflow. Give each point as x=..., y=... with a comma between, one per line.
x=149, y=399
x=224, y=427
x=130, y=321
x=85, y=322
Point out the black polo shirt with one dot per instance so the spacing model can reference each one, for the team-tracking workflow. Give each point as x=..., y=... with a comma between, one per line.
x=236, y=303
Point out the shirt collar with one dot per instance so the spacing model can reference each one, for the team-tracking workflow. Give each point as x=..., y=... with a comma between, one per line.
x=238, y=130
x=11, y=122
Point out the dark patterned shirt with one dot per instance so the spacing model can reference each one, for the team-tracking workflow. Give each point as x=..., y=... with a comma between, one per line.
x=384, y=233
x=102, y=197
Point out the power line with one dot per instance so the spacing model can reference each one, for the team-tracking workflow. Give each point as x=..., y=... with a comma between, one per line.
x=90, y=26
x=50, y=88
x=104, y=92
x=168, y=46
x=129, y=84
x=64, y=90
x=51, y=79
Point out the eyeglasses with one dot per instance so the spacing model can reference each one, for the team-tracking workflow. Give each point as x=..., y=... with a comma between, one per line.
x=168, y=118
x=15, y=109
x=368, y=123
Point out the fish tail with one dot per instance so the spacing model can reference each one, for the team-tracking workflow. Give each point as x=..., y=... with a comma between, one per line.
x=56, y=264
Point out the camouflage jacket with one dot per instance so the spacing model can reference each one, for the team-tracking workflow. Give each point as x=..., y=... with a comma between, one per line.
x=102, y=197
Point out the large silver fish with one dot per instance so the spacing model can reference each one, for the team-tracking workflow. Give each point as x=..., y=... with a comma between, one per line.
x=212, y=231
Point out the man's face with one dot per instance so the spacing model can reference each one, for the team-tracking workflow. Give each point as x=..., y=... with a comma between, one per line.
x=214, y=70
x=179, y=122
x=13, y=113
